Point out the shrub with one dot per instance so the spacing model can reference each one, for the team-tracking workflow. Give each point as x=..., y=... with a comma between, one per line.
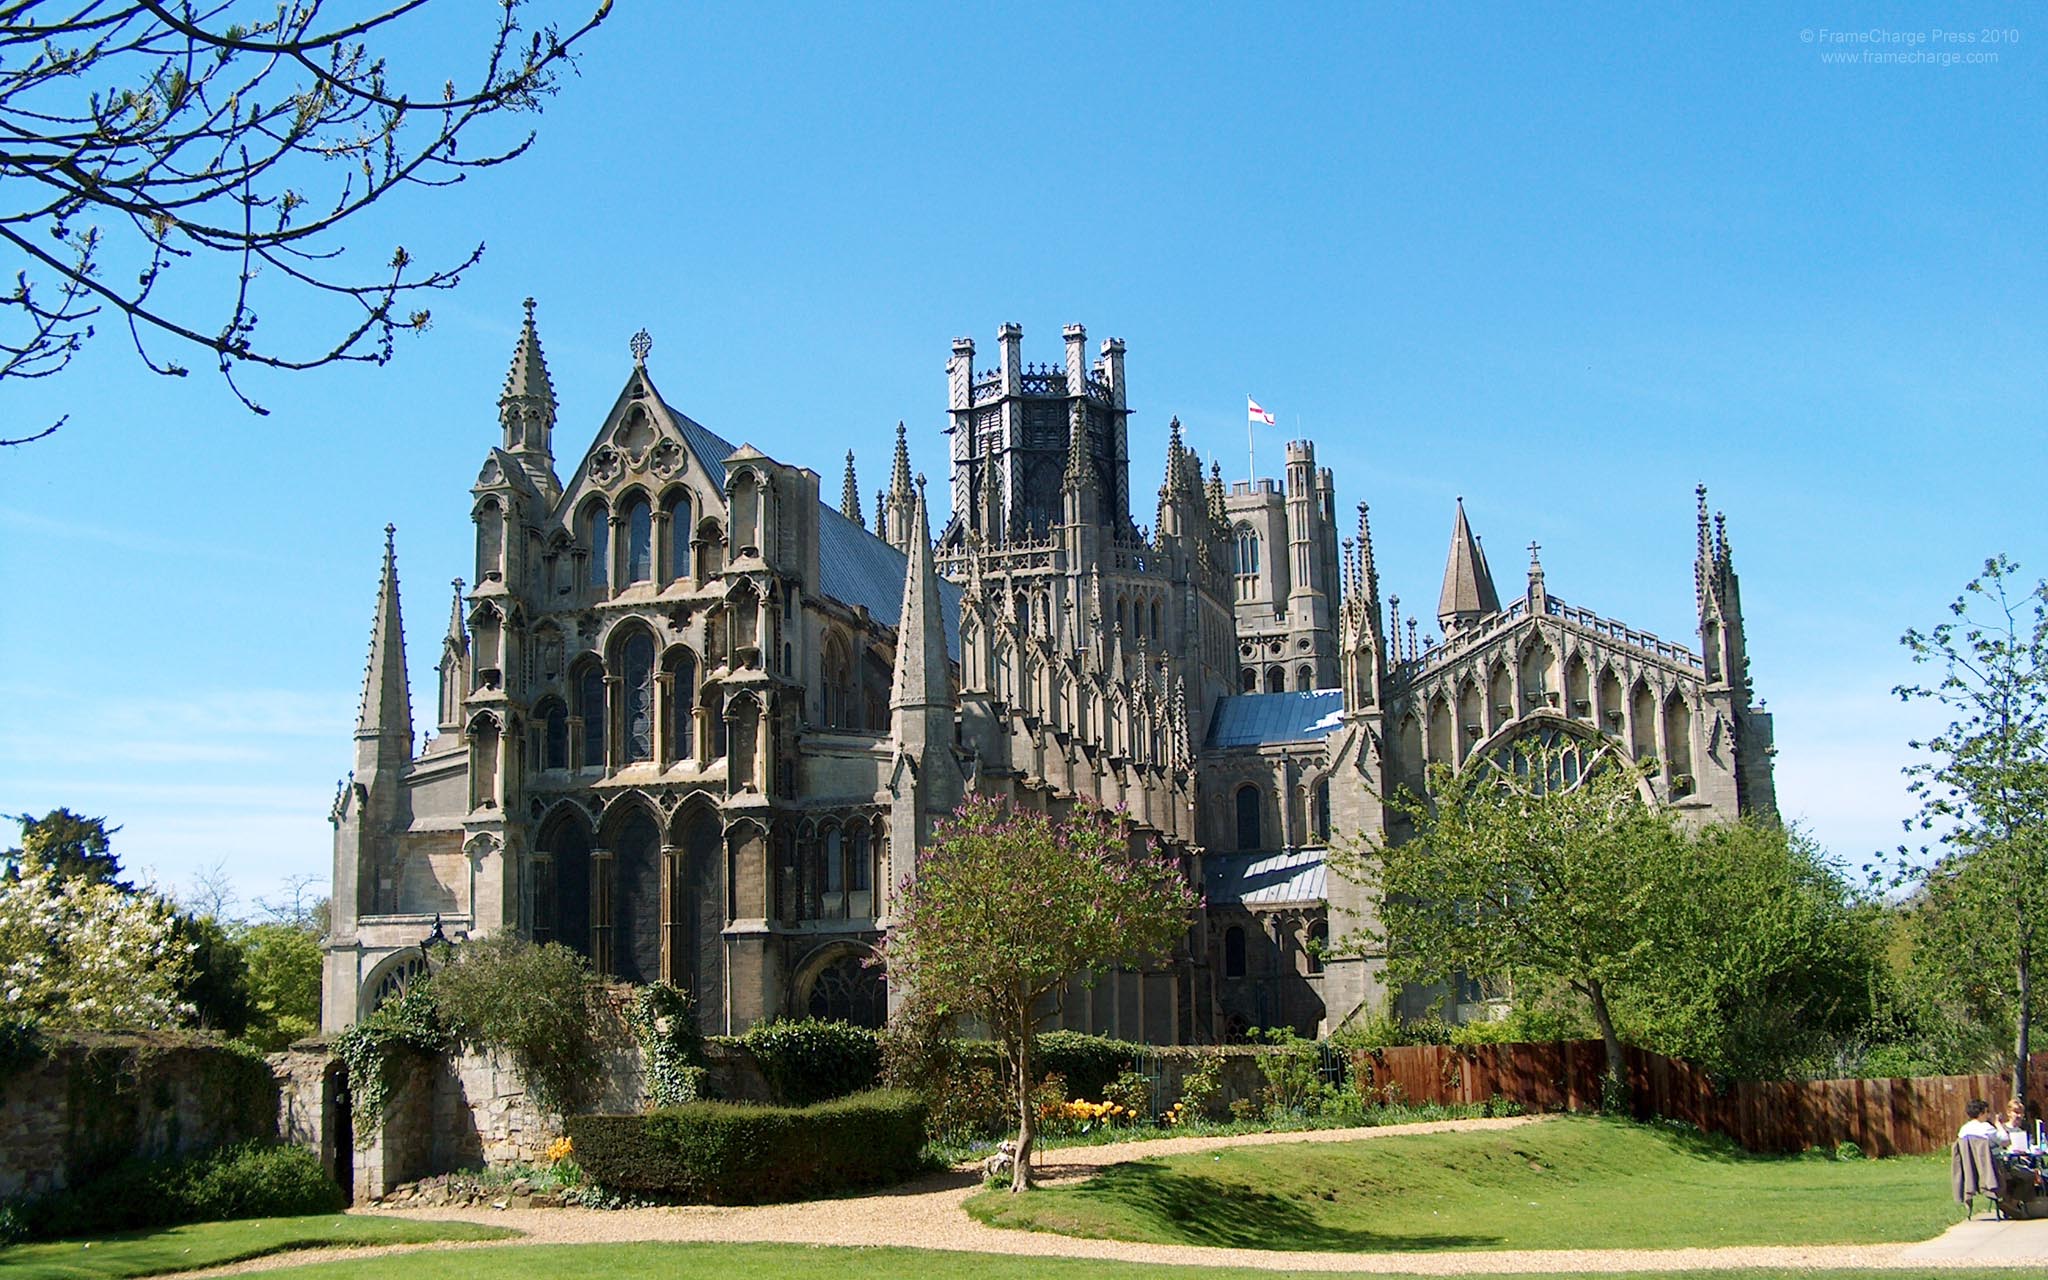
x=1201, y=1089
x=531, y=1003
x=1293, y=1071
x=251, y=1180
x=722, y=1153
x=813, y=1060
x=1091, y=1064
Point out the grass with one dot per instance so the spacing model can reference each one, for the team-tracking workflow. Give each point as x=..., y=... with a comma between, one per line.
x=774, y=1261
x=213, y=1244
x=1569, y=1182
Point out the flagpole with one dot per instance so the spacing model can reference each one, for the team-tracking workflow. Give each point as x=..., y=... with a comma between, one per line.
x=1251, y=457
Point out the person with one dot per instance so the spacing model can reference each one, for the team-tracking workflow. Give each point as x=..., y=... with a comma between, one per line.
x=1976, y=1126
x=2012, y=1128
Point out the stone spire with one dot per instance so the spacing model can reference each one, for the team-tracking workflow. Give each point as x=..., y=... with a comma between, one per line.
x=454, y=666
x=1468, y=593
x=899, y=528
x=849, y=495
x=385, y=713
x=526, y=409
x=921, y=699
x=1538, y=594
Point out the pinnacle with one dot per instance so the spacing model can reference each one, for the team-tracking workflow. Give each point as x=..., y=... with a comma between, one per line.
x=849, y=495
x=899, y=474
x=528, y=376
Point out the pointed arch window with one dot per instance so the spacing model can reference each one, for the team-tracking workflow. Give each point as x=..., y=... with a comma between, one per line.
x=555, y=737
x=637, y=681
x=677, y=507
x=681, y=665
x=1248, y=817
x=590, y=708
x=639, y=541
x=1247, y=554
x=1318, y=945
x=597, y=535
x=1233, y=952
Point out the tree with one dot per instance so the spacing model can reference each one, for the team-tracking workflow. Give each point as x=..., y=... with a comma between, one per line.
x=1530, y=866
x=241, y=140
x=283, y=983
x=1007, y=905
x=1983, y=787
x=69, y=846
x=81, y=953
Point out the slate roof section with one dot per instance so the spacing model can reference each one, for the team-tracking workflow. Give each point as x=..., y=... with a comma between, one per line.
x=857, y=567
x=860, y=569
x=1259, y=719
x=1266, y=879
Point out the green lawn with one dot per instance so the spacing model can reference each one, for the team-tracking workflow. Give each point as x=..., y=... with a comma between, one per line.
x=213, y=1244
x=776, y=1261
x=1568, y=1182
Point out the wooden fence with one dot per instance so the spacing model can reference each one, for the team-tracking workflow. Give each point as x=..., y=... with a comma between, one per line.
x=1883, y=1117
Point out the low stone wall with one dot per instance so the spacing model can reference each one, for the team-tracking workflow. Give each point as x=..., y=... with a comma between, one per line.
x=470, y=1109
x=95, y=1099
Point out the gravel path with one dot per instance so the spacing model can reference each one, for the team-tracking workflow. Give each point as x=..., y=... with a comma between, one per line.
x=927, y=1214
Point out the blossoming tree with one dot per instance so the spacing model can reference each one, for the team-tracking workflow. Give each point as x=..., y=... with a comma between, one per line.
x=1007, y=905
x=76, y=952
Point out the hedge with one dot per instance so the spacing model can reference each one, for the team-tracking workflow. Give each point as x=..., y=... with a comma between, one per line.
x=725, y=1153
x=248, y=1180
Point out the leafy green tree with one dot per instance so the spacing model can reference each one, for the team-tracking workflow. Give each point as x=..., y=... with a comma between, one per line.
x=1983, y=792
x=283, y=983
x=70, y=846
x=1008, y=905
x=1765, y=962
x=1526, y=868
x=214, y=981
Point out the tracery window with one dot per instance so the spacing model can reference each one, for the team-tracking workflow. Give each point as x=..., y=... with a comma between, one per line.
x=850, y=991
x=637, y=681
x=682, y=729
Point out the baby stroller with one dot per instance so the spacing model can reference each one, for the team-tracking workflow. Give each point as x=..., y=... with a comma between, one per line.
x=2022, y=1192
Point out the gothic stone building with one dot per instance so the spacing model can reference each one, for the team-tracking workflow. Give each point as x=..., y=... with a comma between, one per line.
x=693, y=720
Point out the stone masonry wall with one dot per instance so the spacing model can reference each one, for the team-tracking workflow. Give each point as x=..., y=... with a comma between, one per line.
x=92, y=1100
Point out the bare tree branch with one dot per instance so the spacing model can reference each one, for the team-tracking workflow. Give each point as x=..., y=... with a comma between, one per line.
x=237, y=138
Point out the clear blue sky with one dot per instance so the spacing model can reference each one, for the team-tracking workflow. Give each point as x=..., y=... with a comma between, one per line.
x=1564, y=263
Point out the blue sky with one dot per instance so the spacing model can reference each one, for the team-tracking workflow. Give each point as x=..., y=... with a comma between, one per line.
x=1564, y=264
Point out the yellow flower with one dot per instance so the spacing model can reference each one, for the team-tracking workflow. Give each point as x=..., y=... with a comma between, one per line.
x=560, y=1149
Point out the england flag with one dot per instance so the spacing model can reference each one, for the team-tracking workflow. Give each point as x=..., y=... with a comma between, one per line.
x=1253, y=413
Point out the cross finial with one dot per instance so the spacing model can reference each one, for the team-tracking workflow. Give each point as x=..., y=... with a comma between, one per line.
x=1534, y=547
x=390, y=532
x=641, y=343
x=528, y=304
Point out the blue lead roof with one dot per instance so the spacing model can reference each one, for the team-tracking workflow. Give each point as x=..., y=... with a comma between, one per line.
x=856, y=567
x=1259, y=719
x=1259, y=879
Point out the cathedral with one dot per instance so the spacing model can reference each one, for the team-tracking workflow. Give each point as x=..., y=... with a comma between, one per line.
x=693, y=721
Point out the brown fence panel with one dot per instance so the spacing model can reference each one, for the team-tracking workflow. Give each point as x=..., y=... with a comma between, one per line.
x=1883, y=1117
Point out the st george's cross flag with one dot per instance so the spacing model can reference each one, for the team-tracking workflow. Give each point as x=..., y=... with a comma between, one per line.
x=1253, y=413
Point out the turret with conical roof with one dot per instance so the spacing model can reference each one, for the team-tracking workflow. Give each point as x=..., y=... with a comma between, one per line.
x=1468, y=593
x=897, y=523
x=454, y=667
x=526, y=410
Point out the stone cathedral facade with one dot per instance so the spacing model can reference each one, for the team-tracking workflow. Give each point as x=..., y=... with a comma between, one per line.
x=693, y=720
